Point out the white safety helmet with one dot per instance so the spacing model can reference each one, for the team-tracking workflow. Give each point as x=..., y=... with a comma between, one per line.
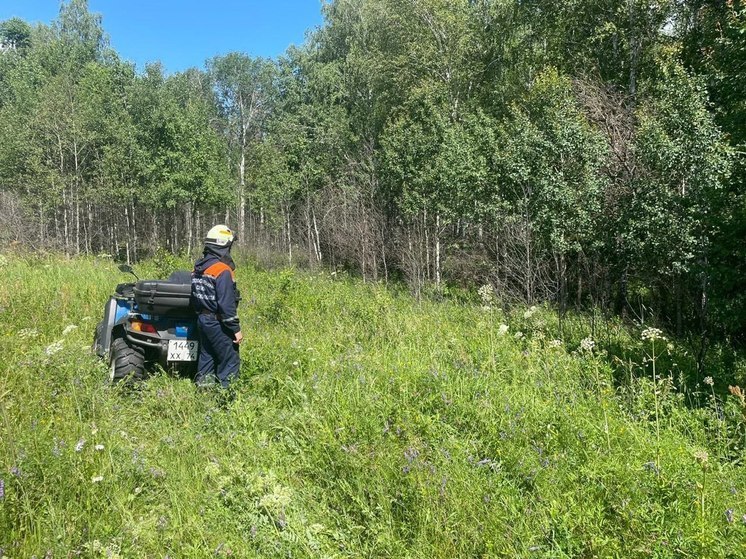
x=220, y=235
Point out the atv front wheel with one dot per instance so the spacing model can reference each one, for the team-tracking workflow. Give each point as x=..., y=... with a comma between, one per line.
x=127, y=361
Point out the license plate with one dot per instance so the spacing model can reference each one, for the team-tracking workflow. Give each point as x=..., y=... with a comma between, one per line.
x=182, y=350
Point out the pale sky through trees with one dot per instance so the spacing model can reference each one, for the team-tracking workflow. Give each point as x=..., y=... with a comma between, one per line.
x=185, y=33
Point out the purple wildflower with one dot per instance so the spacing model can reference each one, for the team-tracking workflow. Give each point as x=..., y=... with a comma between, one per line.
x=487, y=463
x=79, y=445
x=411, y=454
x=16, y=471
x=651, y=467
x=2, y=492
x=729, y=516
x=58, y=446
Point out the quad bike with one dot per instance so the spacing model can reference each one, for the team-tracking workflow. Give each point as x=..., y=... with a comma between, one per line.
x=146, y=323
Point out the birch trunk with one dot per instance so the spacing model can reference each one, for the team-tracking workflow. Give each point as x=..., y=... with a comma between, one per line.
x=133, y=229
x=127, y=224
x=318, y=240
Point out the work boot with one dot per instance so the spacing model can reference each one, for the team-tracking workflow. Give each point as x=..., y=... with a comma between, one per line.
x=206, y=382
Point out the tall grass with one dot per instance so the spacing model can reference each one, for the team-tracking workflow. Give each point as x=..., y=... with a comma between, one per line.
x=364, y=424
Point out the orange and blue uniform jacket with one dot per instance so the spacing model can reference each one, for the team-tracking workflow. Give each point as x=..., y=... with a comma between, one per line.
x=214, y=291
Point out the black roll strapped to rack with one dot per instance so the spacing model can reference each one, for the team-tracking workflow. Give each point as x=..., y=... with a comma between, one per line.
x=164, y=298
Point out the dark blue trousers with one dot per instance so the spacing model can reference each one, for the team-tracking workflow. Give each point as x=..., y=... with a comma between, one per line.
x=218, y=355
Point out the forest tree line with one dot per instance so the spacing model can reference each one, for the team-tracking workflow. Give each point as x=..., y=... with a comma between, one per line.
x=586, y=153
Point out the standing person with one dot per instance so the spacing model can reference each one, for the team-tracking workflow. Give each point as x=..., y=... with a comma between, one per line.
x=215, y=297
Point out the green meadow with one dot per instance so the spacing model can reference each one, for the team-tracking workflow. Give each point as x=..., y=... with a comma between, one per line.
x=365, y=424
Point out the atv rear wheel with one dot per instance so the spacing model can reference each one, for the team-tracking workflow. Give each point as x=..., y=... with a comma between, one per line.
x=127, y=361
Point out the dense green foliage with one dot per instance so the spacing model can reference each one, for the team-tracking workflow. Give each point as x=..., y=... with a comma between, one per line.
x=586, y=153
x=365, y=424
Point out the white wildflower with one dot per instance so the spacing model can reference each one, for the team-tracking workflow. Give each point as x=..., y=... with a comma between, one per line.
x=652, y=334
x=587, y=344
x=97, y=479
x=702, y=457
x=54, y=347
x=99, y=447
x=487, y=294
x=279, y=498
x=555, y=343
x=28, y=333
x=69, y=328
x=79, y=445
x=502, y=329
x=529, y=312
x=709, y=381
x=518, y=335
